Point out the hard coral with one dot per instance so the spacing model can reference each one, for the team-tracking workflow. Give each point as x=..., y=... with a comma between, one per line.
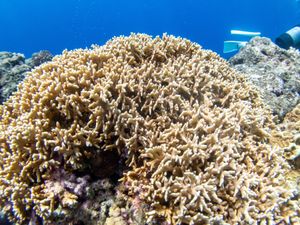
x=194, y=136
x=288, y=137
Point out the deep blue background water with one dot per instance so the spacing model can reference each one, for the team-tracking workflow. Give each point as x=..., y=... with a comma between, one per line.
x=33, y=25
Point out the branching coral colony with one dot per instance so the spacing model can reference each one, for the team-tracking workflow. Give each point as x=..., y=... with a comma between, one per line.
x=193, y=137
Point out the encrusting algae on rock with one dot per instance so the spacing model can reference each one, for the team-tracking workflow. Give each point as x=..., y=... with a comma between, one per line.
x=186, y=136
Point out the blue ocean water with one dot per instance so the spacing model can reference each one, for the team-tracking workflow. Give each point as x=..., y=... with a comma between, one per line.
x=55, y=25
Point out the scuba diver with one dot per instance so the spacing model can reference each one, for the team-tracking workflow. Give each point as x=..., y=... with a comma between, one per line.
x=291, y=38
x=232, y=46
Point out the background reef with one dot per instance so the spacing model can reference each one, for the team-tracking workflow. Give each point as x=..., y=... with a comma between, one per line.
x=13, y=68
x=274, y=71
x=145, y=130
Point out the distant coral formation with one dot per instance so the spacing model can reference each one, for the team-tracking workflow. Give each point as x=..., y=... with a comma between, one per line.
x=181, y=136
x=13, y=67
x=273, y=71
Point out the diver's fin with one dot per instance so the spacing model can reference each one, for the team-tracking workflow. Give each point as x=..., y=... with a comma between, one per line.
x=231, y=46
x=245, y=33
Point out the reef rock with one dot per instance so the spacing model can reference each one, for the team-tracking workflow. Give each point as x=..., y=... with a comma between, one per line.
x=13, y=67
x=274, y=71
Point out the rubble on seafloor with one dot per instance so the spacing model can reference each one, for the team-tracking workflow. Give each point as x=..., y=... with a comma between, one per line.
x=146, y=131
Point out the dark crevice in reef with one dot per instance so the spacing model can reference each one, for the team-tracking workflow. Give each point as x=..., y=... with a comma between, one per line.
x=94, y=185
x=103, y=164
